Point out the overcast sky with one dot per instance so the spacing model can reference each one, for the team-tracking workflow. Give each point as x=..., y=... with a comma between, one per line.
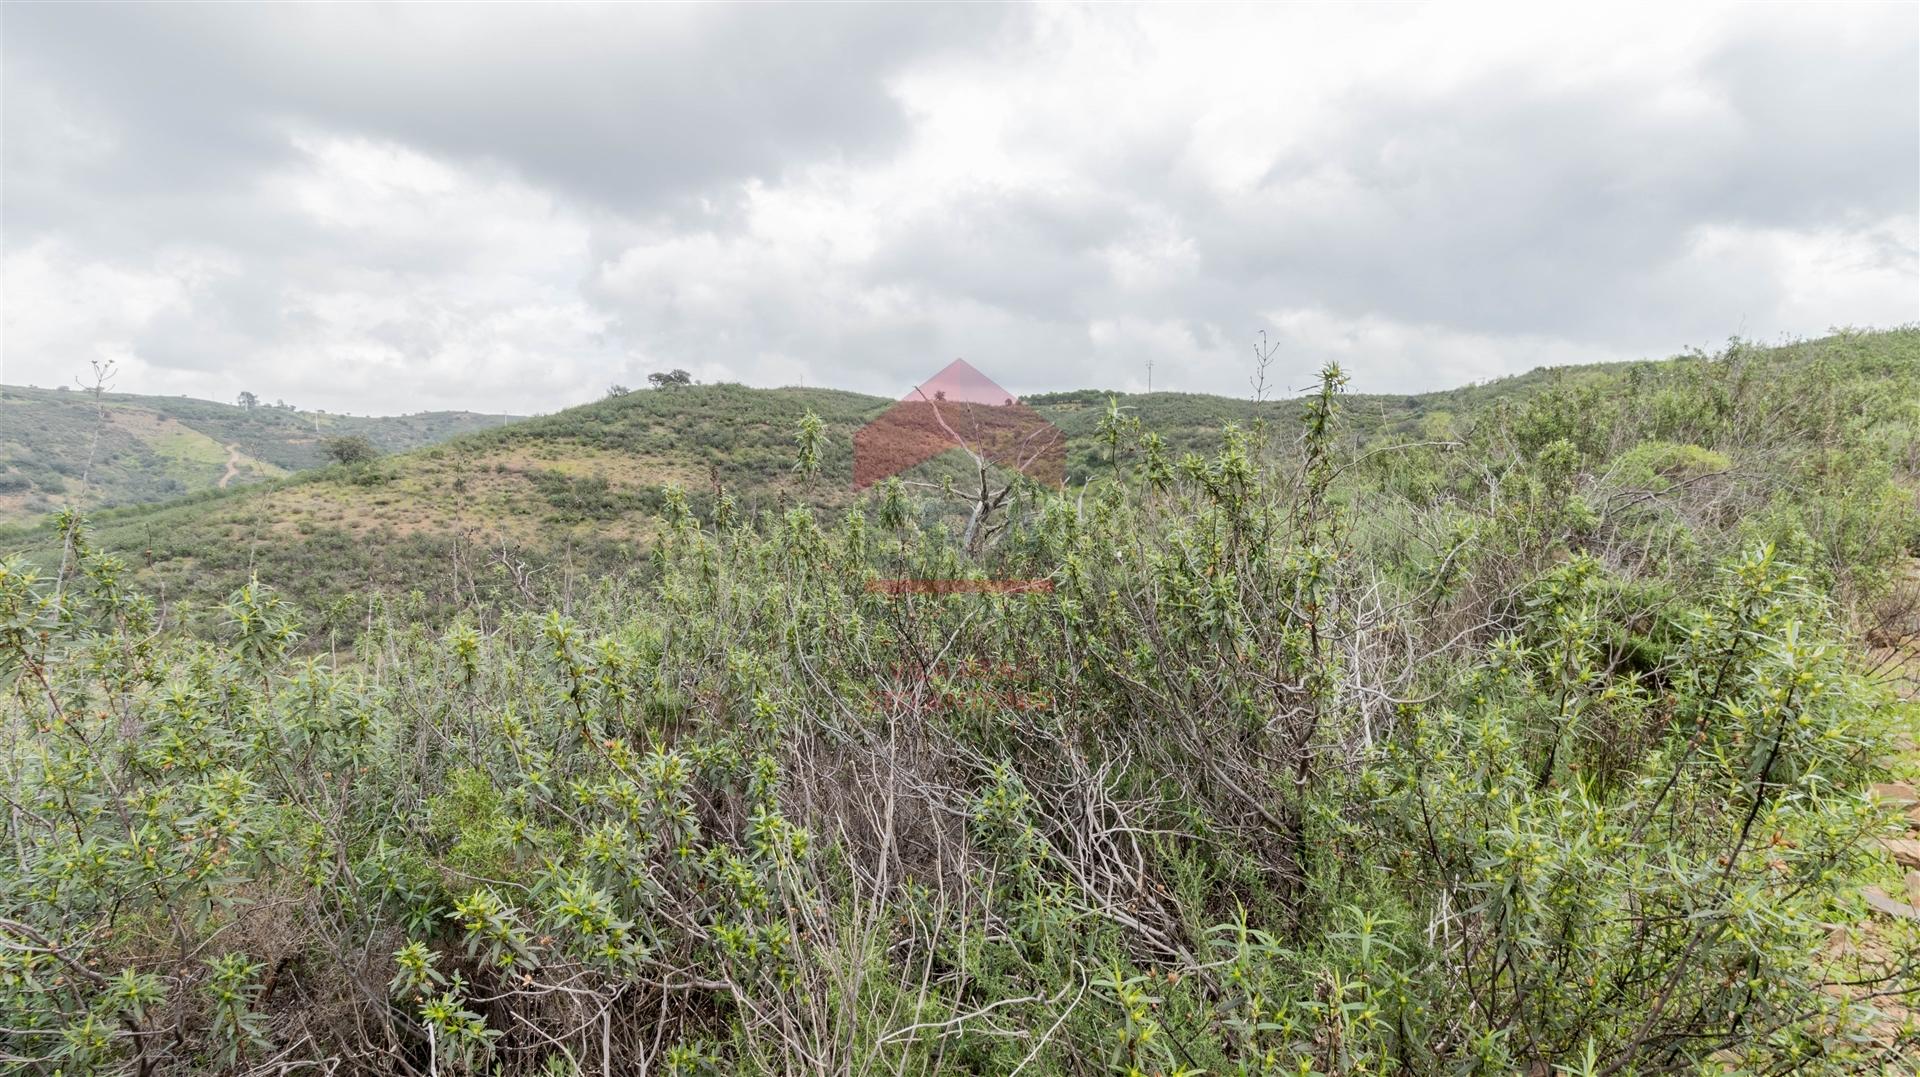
x=390, y=208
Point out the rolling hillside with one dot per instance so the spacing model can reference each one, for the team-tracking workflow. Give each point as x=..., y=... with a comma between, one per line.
x=536, y=505
x=155, y=448
x=494, y=513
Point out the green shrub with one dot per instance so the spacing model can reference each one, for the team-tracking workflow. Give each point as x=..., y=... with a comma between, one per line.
x=1319, y=756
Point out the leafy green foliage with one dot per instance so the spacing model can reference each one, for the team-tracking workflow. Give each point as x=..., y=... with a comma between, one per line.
x=350, y=449
x=1332, y=748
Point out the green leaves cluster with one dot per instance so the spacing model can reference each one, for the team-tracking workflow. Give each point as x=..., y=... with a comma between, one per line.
x=1524, y=751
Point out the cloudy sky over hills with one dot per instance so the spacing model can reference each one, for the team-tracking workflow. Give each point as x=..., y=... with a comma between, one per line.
x=380, y=208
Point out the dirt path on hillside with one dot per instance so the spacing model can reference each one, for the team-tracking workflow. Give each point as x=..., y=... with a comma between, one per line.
x=233, y=464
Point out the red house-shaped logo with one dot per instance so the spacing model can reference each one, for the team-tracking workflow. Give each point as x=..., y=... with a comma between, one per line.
x=959, y=408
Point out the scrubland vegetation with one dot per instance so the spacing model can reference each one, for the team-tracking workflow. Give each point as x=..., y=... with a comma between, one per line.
x=72, y=446
x=1527, y=728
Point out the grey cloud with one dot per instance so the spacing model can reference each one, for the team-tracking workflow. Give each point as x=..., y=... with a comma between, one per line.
x=1518, y=212
x=1509, y=206
x=132, y=129
x=627, y=106
x=1036, y=255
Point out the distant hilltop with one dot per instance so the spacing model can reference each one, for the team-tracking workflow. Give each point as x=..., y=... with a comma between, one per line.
x=155, y=448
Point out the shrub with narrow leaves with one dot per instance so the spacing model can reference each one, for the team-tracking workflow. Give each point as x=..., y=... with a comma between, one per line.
x=1320, y=756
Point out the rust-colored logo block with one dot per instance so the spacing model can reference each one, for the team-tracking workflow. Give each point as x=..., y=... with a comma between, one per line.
x=959, y=408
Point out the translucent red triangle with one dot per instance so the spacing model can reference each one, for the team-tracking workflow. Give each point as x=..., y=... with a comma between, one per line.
x=961, y=383
x=959, y=408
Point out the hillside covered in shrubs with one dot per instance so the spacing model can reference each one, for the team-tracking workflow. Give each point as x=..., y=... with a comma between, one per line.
x=77, y=447
x=1521, y=731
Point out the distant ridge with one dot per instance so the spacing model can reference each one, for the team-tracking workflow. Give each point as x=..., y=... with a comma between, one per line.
x=155, y=448
x=584, y=490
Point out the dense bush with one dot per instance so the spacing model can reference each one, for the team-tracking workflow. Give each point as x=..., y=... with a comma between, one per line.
x=1519, y=753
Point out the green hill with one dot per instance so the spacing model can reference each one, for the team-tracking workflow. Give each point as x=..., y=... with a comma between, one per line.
x=156, y=448
x=533, y=506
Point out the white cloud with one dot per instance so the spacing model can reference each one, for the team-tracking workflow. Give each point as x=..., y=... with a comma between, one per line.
x=426, y=210
x=1432, y=356
x=65, y=312
x=1836, y=276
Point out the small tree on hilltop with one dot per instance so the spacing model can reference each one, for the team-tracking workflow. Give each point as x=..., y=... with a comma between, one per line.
x=247, y=401
x=661, y=379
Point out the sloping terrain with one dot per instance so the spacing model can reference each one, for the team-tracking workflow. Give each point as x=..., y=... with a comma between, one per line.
x=532, y=504
x=569, y=491
x=1537, y=728
x=156, y=448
